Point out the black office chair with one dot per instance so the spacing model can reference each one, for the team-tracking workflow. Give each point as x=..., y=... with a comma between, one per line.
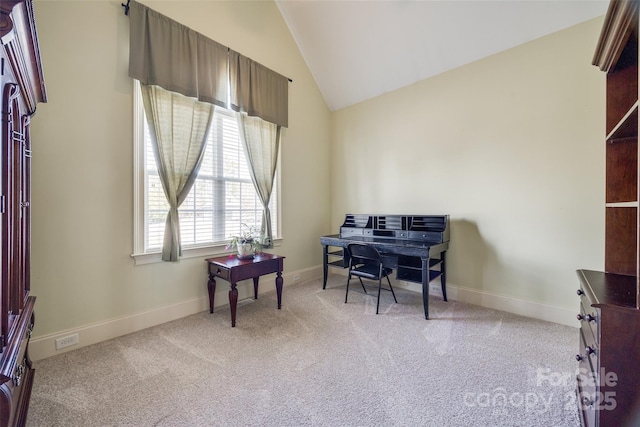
x=365, y=262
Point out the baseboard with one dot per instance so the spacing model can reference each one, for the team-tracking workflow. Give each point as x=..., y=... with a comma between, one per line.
x=45, y=346
x=494, y=301
x=42, y=347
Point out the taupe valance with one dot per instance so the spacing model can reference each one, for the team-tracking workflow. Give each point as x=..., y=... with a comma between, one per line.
x=258, y=91
x=168, y=54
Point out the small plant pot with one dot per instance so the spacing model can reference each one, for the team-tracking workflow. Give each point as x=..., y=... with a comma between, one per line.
x=246, y=250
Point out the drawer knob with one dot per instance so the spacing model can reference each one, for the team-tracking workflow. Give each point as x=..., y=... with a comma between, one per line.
x=590, y=318
x=17, y=376
x=579, y=357
x=580, y=317
x=580, y=292
x=589, y=350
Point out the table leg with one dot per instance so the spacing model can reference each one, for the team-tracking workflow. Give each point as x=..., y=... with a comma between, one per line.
x=211, y=287
x=255, y=287
x=233, y=302
x=279, y=288
x=425, y=286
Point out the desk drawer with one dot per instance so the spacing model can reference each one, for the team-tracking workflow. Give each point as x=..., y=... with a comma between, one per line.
x=350, y=231
x=426, y=236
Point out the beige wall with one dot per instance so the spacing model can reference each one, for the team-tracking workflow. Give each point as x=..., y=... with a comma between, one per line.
x=82, y=272
x=511, y=147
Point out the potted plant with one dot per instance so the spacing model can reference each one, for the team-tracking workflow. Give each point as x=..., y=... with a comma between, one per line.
x=247, y=242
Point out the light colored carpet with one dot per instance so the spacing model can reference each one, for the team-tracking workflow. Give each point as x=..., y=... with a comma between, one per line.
x=320, y=362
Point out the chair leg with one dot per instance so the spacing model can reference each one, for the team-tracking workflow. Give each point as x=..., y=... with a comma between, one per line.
x=363, y=288
x=380, y=288
x=391, y=287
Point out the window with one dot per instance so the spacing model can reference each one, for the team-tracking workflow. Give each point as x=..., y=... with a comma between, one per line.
x=221, y=199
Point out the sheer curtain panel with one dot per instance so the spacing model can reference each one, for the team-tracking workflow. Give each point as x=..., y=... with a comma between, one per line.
x=261, y=141
x=178, y=126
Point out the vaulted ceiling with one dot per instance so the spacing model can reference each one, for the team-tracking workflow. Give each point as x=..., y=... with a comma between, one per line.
x=359, y=49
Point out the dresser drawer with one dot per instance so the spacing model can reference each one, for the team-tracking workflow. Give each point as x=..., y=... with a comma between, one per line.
x=588, y=318
x=588, y=412
x=586, y=385
x=588, y=350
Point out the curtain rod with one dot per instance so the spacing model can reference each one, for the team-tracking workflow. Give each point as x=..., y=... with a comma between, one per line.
x=126, y=12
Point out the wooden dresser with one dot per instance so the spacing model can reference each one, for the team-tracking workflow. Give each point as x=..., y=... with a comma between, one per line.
x=608, y=380
x=22, y=85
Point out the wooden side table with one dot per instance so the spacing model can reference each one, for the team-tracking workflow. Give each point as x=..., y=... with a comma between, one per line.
x=232, y=269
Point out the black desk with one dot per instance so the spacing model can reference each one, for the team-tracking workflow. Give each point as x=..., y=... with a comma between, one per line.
x=414, y=261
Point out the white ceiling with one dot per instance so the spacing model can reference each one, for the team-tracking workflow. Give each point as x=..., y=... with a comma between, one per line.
x=359, y=49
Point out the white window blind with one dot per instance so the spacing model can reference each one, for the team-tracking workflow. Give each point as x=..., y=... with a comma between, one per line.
x=221, y=199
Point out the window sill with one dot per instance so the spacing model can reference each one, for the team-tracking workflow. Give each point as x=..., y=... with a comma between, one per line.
x=193, y=252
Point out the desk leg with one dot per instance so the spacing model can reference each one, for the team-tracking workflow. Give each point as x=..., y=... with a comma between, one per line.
x=443, y=276
x=211, y=287
x=279, y=288
x=233, y=302
x=255, y=287
x=325, y=267
x=425, y=286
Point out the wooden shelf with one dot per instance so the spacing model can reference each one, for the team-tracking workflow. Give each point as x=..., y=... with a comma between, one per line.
x=633, y=204
x=627, y=127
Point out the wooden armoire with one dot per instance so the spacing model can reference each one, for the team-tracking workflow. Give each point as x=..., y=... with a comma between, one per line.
x=608, y=380
x=22, y=88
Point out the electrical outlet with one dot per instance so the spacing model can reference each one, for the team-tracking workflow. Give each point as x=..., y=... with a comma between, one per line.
x=67, y=341
x=296, y=277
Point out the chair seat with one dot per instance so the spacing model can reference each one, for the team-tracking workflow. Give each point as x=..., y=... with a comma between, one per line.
x=370, y=271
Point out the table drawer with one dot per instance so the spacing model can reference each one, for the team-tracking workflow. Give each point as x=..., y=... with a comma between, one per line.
x=218, y=271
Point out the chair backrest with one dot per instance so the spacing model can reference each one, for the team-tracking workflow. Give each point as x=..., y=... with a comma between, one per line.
x=364, y=252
